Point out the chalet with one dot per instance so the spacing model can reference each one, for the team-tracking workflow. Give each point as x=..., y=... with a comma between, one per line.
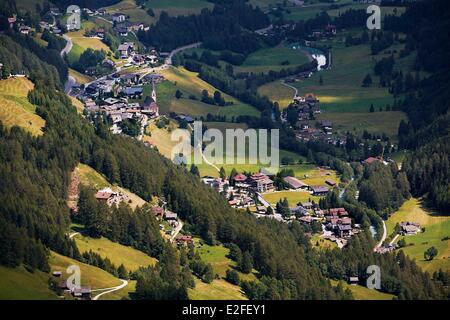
x=133, y=92
x=100, y=33
x=57, y=274
x=305, y=219
x=261, y=209
x=108, y=63
x=299, y=211
x=311, y=98
x=136, y=26
x=24, y=30
x=83, y=293
x=139, y=59
x=151, y=58
x=330, y=182
x=307, y=205
x=118, y=17
x=121, y=30
x=330, y=30
x=410, y=228
x=54, y=11
x=337, y=212
x=158, y=211
x=353, y=280
x=11, y=21
x=319, y=190
x=153, y=78
x=294, y=183
x=239, y=178
x=125, y=50
x=371, y=160
x=260, y=182
x=130, y=78
x=327, y=126
x=182, y=117
x=184, y=240
x=111, y=197
x=170, y=216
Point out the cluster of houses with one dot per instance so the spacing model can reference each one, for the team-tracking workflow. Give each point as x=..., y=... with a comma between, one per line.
x=79, y=293
x=117, y=96
x=327, y=32
x=337, y=226
x=111, y=197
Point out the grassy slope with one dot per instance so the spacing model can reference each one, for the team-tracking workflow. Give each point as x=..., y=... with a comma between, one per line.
x=271, y=59
x=19, y=284
x=15, y=108
x=436, y=228
x=277, y=92
x=90, y=276
x=219, y=288
x=357, y=122
x=119, y=254
x=190, y=84
x=363, y=293
x=79, y=77
x=94, y=179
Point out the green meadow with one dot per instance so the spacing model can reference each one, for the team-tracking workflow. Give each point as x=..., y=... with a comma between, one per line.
x=190, y=84
x=20, y=284
x=219, y=289
x=275, y=59
x=437, y=231
x=119, y=254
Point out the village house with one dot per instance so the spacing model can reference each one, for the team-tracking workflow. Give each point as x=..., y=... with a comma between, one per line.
x=331, y=183
x=319, y=190
x=260, y=182
x=111, y=197
x=118, y=17
x=299, y=211
x=184, y=240
x=125, y=50
x=83, y=293
x=158, y=212
x=170, y=216
x=410, y=228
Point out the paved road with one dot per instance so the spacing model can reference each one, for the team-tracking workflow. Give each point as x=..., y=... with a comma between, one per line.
x=109, y=290
x=177, y=50
x=393, y=240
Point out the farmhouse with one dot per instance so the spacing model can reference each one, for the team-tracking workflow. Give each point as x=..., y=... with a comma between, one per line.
x=294, y=183
x=83, y=293
x=319, y=190
x=184, y=240
x=331, y=183
x=158, y=211
x=170, y=216
x=118, y=17
x=125, y=50
x=410, y=228
x=111, y=197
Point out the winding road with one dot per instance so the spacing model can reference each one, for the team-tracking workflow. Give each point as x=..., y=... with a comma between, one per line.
x=289, y=86
x=109, y=290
